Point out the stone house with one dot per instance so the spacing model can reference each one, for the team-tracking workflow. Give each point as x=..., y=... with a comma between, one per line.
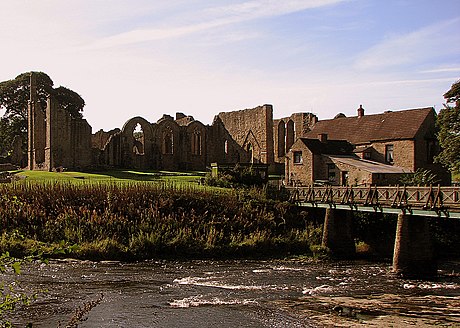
x=332, y=162
x=404, y=139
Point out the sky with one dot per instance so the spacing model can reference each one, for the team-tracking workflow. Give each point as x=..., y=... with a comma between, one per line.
x=201, y=57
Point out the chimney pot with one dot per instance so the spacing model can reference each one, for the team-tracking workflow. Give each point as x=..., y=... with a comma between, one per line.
x=360, y=111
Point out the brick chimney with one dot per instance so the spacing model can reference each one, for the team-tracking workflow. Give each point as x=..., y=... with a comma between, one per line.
x=322, y=137
x=360, y=111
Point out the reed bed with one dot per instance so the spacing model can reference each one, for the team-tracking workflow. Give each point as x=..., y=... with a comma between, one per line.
x=134, y=221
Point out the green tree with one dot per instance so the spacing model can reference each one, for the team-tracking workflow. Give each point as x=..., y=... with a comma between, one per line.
x=449, y=130
x=14, y=97
x=420, y=177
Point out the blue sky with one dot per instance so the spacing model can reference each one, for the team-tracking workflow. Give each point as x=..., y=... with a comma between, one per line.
x=200, y=57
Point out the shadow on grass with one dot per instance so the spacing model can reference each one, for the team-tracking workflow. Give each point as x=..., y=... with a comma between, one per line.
x=150, y=175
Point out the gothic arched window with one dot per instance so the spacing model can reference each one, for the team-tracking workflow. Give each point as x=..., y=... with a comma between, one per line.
x=196, y=142
x=168, y=141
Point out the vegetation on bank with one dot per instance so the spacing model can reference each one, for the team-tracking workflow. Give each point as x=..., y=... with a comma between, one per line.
x=131, y=215
x=134, y=221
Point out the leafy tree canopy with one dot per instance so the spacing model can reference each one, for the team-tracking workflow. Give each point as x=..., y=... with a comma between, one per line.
x=14, y=95
x=449, y=130
x=420, y=177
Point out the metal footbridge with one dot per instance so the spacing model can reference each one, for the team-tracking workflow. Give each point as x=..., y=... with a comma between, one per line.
x=433, y=201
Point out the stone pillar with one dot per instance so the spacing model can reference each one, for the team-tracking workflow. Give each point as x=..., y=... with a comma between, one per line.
x=337, y=233
x=413, y=253
x=49, y=141
x=30, y=123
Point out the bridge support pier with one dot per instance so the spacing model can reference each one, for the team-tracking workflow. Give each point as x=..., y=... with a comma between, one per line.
x=413, y=252
x=337, y=233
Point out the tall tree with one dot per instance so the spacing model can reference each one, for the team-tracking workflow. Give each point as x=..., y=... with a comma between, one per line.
x=14, y=97
x=449, y=130
x=14, y=94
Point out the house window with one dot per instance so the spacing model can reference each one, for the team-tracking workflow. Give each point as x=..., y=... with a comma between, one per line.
x=250, y=153
x=389, y=158
x=344, y=178
x=297, y=157
x=367, y=155
x=331, y=172
x=430, y=151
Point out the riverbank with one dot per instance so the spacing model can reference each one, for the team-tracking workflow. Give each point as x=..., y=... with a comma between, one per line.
x=136, y=221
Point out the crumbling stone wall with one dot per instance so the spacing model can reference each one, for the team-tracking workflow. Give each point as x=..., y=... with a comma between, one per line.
x=288, y=129
x=100, y=138
x=182, y=143
x=252, y=129
x=55, y=139
x=222, y=148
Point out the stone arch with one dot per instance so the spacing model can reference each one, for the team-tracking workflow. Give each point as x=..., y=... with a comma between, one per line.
x=290, y=134
x=130, y=125
x=281, y=138
x=137, y=151
x=252, y=148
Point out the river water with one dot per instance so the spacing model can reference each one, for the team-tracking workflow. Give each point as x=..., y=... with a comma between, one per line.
x=275, y=293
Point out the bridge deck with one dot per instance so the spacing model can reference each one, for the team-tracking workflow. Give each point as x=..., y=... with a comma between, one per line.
x=425, y=201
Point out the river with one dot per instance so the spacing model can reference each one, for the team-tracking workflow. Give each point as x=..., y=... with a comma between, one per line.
x=273, y=293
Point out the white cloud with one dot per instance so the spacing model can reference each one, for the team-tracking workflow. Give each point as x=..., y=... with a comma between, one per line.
x=427, y=43
x=215, y=17
x=442, y=70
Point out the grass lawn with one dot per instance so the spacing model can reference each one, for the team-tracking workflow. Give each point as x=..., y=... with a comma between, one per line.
x=111, y=176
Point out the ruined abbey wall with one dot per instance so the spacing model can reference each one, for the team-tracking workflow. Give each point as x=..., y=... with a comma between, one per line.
x=55, y=139
x=287, y=130
x=252, y=130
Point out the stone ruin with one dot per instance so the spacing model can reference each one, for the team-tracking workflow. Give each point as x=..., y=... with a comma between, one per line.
x=57, y=140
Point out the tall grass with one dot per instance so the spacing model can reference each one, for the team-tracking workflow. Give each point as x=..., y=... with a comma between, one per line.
x=149, y=220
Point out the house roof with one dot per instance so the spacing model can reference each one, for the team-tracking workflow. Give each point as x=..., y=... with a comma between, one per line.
x=397, y=125
x=362, y=149
x=330, y=147
x=368, y=166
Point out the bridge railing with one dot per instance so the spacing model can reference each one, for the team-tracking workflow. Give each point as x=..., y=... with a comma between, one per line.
x=434, y=198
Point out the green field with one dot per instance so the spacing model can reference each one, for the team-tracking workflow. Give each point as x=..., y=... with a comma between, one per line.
x=111, y=176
